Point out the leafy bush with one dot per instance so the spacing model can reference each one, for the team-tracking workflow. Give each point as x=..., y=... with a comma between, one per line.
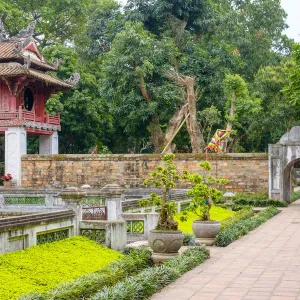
x=216, y=213
x=187, y=238
x=257, y=200
x=149, y=281
x=43, y=267
x=87, y=285
x=243, y=214
x=236, y=230
x=295, y=196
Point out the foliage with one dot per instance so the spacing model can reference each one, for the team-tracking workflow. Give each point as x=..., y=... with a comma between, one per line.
x=187, y=238
x=236, y=230
x=164, y=177
x=292, y=90
x=203, y=192
x=43, y=267
x=243, y=214
x=84, y=116
x=58, y=21
x=216, y=213
x=295, y=196
x=118, y=51
x=257, y=200
x=86, y=285
x=146, y=283
x=268, y=85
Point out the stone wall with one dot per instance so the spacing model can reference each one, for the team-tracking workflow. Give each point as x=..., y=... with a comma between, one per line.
x=245, y=172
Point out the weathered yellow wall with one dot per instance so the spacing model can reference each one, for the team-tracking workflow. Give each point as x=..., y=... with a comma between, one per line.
x=245, y=172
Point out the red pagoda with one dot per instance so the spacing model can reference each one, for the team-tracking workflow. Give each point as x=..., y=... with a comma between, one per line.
x=25, y=87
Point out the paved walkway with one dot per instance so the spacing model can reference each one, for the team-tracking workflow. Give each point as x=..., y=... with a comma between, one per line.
x=265, y=264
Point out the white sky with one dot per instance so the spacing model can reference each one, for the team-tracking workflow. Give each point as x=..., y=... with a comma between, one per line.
x=292, y=8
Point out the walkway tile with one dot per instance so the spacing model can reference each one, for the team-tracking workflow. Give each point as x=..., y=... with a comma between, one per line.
x=263, y=265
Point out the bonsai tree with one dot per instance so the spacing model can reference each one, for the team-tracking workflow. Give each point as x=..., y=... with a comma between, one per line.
x=204, y=192
x=163, y=177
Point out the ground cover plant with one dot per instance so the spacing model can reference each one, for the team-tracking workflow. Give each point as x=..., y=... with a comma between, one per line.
x=86, y=285
x=150, y=281
x=242, y=227
x=216, y=213
x=43, y=267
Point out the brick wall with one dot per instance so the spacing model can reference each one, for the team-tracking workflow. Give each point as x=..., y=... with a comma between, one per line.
x=244, y=172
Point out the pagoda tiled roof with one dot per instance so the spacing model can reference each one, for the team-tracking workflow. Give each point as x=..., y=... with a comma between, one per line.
x=14, y=69
x=19, y=56
x=15, y=51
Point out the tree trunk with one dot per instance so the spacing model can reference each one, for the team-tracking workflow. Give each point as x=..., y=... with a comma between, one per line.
x=173, y=126
x=193, y=127
x=229, y=122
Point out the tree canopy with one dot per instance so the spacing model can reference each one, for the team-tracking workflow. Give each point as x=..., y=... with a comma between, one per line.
x=162, y=74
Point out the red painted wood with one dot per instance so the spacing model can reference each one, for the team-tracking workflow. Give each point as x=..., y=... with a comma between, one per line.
x=38, y=132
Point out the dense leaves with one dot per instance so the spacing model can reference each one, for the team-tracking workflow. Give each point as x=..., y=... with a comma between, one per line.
x=126, y=99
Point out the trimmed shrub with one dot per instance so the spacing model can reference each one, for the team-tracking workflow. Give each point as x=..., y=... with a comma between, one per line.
x=235, y=231
x=150, y=281
x=295, y=196
x=257, y=200
x=85, y=286
x=43, y=267
x=243, y=214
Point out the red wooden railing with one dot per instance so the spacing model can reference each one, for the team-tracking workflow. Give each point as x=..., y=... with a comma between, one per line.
x=26, y=115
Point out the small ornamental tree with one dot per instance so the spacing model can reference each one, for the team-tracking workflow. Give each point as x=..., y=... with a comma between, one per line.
x=204, y=192
x=163, y=177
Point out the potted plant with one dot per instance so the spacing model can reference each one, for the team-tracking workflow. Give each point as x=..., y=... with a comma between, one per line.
x=7, y=180
x=204, y=193
x=165, y=240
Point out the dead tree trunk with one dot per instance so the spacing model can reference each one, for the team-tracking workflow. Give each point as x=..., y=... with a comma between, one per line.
x=195, y=133
x=193, y=127
x=158, y=137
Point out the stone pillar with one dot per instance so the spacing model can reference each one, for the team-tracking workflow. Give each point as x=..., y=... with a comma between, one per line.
x=15, y=147
x=113, y=194
x=72, y=197
x=49, y=143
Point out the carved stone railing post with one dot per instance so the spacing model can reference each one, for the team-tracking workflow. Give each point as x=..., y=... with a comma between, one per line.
x=113, y=194
x=72, y=197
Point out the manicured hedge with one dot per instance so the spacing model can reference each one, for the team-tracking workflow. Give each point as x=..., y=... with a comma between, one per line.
x=295, y=196
x=243, y=214
x=236, y=230
x=151, y=280
x=43, y=267
x=257, y=200
x=85, y=286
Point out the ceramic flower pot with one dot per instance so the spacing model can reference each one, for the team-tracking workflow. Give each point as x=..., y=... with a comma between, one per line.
x=7, y=183
x=206, y=231
x=165, y=244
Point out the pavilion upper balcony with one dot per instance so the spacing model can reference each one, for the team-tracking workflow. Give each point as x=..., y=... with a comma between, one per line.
x=29, y=119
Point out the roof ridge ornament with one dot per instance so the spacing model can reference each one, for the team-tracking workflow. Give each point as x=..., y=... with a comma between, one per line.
x=27, y=62
x=74, y=79
x=28, y=32
x=18, y=49
x=3, y=33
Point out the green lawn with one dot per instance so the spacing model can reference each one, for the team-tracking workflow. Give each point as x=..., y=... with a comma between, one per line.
x=40, y=268
x=216, y=213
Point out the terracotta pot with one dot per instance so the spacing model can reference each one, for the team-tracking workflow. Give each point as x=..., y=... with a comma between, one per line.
x=206, y=231
x=7, y=184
